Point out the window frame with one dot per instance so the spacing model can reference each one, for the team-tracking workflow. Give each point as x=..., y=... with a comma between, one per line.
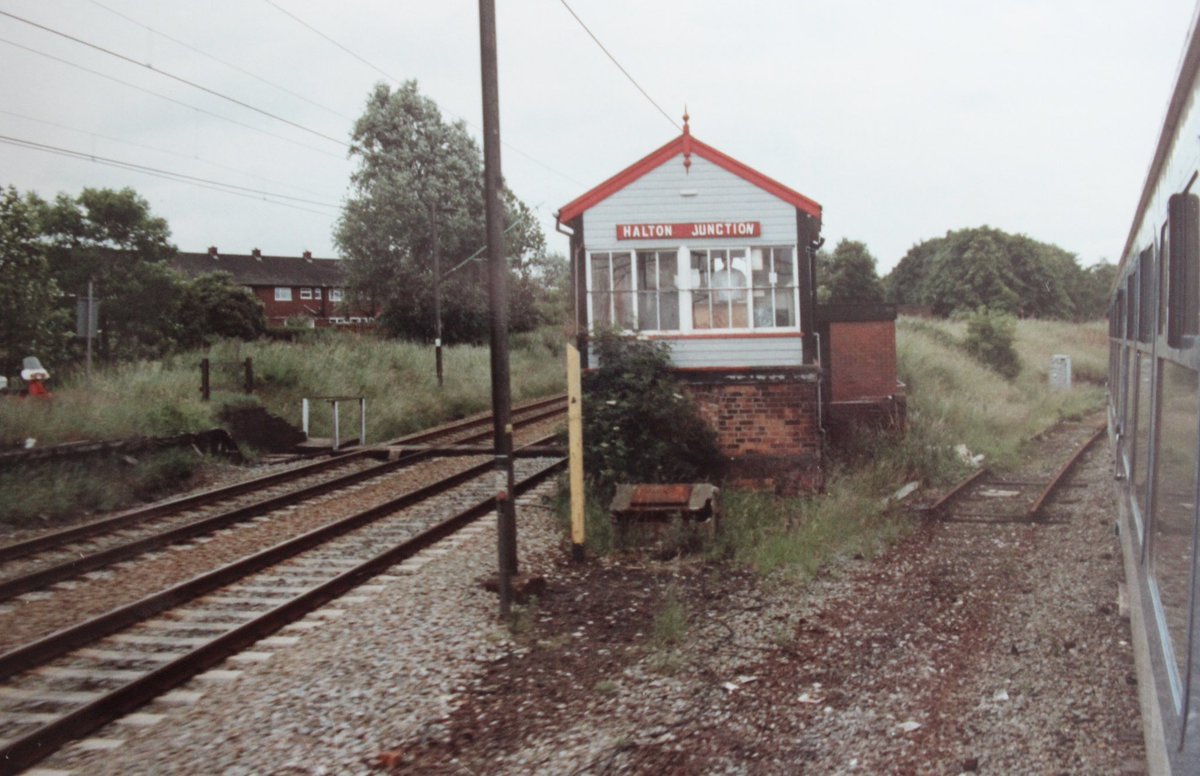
x=283, y=293
x=683, y=288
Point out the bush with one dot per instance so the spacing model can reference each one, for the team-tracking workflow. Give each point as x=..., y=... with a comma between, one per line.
x=989, y=340
x=637, y=424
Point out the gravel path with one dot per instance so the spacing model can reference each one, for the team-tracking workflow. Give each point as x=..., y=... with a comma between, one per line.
x=965, y=648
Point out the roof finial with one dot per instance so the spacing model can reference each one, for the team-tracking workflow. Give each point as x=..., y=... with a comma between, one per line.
x=687, y=142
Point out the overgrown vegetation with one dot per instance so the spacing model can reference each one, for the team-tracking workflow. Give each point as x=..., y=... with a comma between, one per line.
x=638, y=424
x=1012, y=273
x=990, y=337
x=953, y=400
x=33, y=495
x=155, y=398
x=160, y=398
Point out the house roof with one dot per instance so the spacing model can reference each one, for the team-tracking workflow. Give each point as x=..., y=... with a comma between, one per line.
x=687, y=145
x=250, y=270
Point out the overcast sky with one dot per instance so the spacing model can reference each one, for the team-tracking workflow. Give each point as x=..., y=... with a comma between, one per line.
x=903, y=119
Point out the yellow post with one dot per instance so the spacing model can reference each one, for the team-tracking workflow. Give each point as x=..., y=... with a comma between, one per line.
x=575, y=447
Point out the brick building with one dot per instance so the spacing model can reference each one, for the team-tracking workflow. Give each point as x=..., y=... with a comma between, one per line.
x=694, y=248
x=291, y=288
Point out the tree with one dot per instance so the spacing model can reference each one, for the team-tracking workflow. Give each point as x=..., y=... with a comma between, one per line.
x=31, y=321
x=638, y=425
x=970, y=271
x=850, y=275
x=111, y=238
x=1014, y=273
x=416, y=170
x=212, y=306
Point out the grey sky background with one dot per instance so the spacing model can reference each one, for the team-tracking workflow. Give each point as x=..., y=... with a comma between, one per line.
x=904, y=120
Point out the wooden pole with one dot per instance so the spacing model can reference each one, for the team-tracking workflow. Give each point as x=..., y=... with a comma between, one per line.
x=575, y=449
x=498, y=304
x=205, y=393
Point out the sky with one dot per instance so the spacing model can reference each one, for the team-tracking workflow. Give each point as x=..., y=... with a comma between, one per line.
x=903, y=119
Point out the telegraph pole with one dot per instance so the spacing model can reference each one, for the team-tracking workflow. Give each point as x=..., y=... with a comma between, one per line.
x=506, y=521
x=437, y=295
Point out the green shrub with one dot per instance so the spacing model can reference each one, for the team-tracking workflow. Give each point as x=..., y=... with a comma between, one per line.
x=638, y=426
x=989, y=340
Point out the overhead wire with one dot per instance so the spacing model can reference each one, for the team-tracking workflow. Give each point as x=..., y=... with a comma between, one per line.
x=174, y=77
x=217, y=59
x=394, y=79
x=180, y=154
x=230, y=188
x=620, y=67
x=181, y=103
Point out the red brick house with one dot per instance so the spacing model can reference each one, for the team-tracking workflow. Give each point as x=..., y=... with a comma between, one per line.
x=291, y=288
x=694, y=248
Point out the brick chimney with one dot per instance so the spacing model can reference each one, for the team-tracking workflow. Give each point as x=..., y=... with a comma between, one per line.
x=257, y=254
x=212, y=252
x=308, y=255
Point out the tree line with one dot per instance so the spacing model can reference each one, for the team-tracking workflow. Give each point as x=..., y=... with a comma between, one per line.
x=968, y=269
x=51, y=250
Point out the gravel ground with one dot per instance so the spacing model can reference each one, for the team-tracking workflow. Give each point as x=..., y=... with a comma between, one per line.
x=965, y=648
x=42, y=612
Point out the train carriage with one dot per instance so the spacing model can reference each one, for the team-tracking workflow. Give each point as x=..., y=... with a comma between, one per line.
x=1154, y=428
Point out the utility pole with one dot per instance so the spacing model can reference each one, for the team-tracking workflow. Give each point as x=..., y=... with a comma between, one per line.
x=506, y=522
x=437, y=295
x=89, y=327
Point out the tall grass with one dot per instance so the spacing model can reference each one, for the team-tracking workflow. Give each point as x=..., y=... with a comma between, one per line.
x=163, y=398
x=396, y=378
x=952, y=400
x=35, y=495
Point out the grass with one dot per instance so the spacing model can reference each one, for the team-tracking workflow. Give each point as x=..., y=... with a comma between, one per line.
x=671, y=622
x=952, y=400
x=162, y=398
x=397, y=378
x=37, y=495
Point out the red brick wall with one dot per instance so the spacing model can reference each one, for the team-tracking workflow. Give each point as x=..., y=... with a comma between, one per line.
x=321, y=309
x=862, y=360
x=767, y=425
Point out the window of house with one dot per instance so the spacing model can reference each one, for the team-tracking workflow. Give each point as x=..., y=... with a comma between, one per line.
x=335, y=294
x=306, y=293
x=718, y=289
x=316, y=293
x=283, y=294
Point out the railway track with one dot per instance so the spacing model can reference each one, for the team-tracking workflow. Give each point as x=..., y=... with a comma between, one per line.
x=69, y=683
x=985, y=498
x=64, y=539
x=62, y=555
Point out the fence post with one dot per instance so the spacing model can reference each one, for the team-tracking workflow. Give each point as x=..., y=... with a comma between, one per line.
x=304, y=416
x=205, y=393
x=249, y=375
x=362, y=421
x=336, y=431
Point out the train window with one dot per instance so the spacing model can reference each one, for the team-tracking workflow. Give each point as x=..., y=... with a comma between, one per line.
x=1141, y=450
x=1145, y=331
x=1172, y=531
x=1131, y=308
x=1183, y=277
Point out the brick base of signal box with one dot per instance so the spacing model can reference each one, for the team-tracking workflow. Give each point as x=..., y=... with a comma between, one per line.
x=767, y=423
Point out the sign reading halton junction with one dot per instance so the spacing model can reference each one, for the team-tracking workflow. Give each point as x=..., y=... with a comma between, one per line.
x=686, y=231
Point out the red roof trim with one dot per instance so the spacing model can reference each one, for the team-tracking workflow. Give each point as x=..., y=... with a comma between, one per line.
x=685, y=143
